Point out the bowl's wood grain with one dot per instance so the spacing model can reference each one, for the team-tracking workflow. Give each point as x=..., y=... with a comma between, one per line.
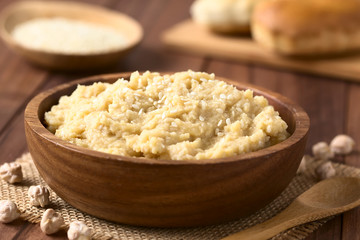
x=152, y=192
x=20, y=12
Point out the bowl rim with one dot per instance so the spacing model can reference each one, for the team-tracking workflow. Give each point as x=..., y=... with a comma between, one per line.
x=13, y=7
x=302, y=125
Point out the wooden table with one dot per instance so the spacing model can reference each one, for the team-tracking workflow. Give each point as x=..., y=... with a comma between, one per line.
x=332, y=104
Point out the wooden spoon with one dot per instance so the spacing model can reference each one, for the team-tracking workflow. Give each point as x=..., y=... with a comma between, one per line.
x=326, y=198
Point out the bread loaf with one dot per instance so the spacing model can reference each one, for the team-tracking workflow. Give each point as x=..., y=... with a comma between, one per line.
x=224, y=16
x=307, y=27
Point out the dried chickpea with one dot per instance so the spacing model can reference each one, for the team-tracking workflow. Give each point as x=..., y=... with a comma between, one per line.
x=342, y=144
x=8, y=211
x=78, y=231
x=51, y=222
x=302, y=166
x=321, y=150
x=325, y=170
x=11, y=172
x=39, y=195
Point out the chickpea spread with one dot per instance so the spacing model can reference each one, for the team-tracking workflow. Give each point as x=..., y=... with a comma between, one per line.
x=185, y=116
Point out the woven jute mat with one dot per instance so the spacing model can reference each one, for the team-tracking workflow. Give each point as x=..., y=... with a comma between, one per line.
x=107, y=230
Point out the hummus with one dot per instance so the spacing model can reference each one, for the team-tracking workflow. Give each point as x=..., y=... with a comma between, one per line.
x=185, y=116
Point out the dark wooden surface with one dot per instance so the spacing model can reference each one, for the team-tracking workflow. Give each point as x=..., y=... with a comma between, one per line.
x=332, y=104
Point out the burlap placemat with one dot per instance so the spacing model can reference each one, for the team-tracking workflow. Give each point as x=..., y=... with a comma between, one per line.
x=106, y=230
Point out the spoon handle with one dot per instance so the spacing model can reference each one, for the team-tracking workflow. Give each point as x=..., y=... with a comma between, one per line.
x=293, y=215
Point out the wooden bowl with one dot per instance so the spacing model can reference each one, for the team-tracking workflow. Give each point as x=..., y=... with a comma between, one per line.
x=20, y=12
x=164, y=193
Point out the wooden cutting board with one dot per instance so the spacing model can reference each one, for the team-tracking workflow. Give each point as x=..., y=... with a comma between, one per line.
x=190, y=37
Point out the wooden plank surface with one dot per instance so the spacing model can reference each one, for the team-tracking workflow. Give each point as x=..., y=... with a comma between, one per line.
x=332, y=104
x=351, y=219
x=193, y=38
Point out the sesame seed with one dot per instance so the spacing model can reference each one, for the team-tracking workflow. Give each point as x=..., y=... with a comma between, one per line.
x=135, y=106
x=163, y=115
x=141, y=111
x=151, y=100
x=220, y=122
x=201, y=118
x=203, y=104
x=228, y=121
x=98, y=39
x=268, y=128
